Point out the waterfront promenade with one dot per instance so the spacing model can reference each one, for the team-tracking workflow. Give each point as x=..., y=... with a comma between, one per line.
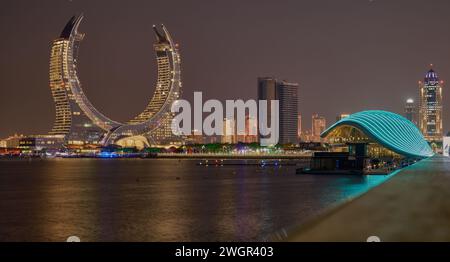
x=414, y=205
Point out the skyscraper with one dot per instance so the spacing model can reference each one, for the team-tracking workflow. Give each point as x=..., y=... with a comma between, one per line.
x=251, y=130
x=287, y=94
x=319, y=125
x=80, y=123
x=288, y=97
x=229, y=131
x=299, y=125
x=230, y=134
x=76, y=118
x=411, y=111
x=430, y=106
x=267, y=90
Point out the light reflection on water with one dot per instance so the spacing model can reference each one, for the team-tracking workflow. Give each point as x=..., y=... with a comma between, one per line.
x=160, y=200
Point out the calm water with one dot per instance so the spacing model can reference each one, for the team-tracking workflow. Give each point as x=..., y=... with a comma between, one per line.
x=160, y=200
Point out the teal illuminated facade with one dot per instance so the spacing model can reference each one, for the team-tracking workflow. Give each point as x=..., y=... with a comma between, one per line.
x=391, y=131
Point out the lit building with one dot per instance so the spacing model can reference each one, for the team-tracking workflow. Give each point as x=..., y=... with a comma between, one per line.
x=3, y=144
x=229, y=134
x=213, y=139
x=430, y=107
x=251, y=129
x=379, y=134
x=41, y=143
x=165, y=58
x=76, y=118
x=342, y=116
x=250, y=132
x=306, y=136
x=138, y=142
x=287, y=94
x=299, y=126
x=196, y=137
x=155, y=122
x=411, y=111
x=12, y=141
x=81, y=123
x=318, y=125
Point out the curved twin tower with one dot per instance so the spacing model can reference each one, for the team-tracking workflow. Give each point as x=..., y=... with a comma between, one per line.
x=81, y=123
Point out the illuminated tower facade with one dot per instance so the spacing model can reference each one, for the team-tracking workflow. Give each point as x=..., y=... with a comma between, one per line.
x=76, y=118
x=81, y=123
x=166, y=53
x=251, y=129
x=430, y=106
x=229, y=131
x=155, y=122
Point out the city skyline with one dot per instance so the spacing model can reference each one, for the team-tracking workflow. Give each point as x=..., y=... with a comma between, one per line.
x=325, y=76
x=224, y=128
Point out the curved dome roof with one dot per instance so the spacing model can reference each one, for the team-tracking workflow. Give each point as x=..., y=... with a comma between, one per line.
x=390, y=130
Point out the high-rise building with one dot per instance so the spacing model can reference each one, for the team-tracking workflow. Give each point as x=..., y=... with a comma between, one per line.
x=76, y=117
x=81, y=123
x=267, y=90
x=287, y=94
x=229, y=131
x=299, y=126
x=318, y=125
x=430, y=106
x=288, y=97
x=411, y=110
x=231, y=136
x=251, y=130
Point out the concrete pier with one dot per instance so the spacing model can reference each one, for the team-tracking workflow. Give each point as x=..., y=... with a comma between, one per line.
x=414, y=205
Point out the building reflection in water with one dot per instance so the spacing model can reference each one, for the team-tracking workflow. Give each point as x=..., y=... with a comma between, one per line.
x=160, y=200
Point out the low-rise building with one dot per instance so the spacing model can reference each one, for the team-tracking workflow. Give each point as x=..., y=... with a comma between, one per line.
x=41, y=143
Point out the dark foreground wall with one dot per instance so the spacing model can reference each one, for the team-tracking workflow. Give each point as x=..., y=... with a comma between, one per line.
x=414, y=205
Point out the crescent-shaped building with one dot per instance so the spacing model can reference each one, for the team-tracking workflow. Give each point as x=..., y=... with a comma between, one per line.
x=155, y=120
x=81, y=123
x=383, y=130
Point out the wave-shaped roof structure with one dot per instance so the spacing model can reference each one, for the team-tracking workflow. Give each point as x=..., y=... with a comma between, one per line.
x=388, y=129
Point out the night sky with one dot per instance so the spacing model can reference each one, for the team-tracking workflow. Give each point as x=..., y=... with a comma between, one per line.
x=346, y=55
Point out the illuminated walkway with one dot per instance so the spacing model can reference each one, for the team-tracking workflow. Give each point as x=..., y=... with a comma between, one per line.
x=414, y=205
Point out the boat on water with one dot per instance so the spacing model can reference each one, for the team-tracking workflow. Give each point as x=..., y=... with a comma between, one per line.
x=247, y=162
